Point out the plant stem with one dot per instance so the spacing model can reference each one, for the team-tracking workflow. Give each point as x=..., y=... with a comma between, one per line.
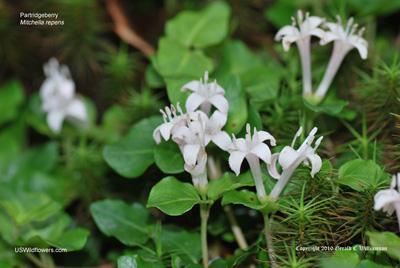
x=237, y=231
x=204, y=214
x=268, y=240
x=32, y=257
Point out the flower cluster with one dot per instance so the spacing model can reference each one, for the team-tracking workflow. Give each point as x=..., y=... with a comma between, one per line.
x=58, y=96
x=194, y=130
x=343, y=41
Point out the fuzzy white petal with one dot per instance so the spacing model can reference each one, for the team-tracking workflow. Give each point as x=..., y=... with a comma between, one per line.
x=222, y=140
x=316, y=163
x=272, y=170
x=193, y=102
x=77, y=109
x=55, y=120
x=193, y=86
x=190, y=152
x=263, y=152
x=219, y=102
x=235, y=161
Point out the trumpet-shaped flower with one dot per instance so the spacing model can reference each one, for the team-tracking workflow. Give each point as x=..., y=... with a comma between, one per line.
x=252, y=148
x=58, y=96
x=302, y=37
x=389, y=200
x=290, y=159
x=205, y=95
x=307, y=28
x=343, y=41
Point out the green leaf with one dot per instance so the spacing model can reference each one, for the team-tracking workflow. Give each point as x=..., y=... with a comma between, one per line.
x=153, y=78
x=200, y=28
x=362, y=174
x=134, y=261
x=236, y=58
x=370, y=264
x=330, y=107
x=115, y=218
x=179, y=65
x=182, y=243
x=27, y=207
x=173, y=197
x=249, y=199
x=388, y=240
x=343, y=256
x=71, y=240
x=133, y=154
x=228, y=181
x=259, y=80
x=237, y=114
x=280, y=13
x=175, y=60
x=11, y=97
x=169, y=158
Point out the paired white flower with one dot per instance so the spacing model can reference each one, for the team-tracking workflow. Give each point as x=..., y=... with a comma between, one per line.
x=252, y=148
x=307, y=28
x=205, y=95
x=58, y=97
x=290, y=159
x=389, y=200
x=302, y=37
x=343, y=41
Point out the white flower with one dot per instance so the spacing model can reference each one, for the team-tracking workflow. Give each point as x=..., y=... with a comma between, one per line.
x=58, y=96
x=252, y=148
x=290, y=159
x=302, y=37
x=346, y=39
x=388, y=199
x=204, y=95
x=307, y=28
x=241, y=148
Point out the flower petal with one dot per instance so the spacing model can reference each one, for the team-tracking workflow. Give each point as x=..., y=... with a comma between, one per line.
x=156, y=135
x=77, y=109
x=165, y=130
x=222, y=140
x=361, y=44
x=193, y=86
x=219, y=102
x=235, y=161
x=285, y=31
x=329, y=37
x=263, y=136
x=217, y=121
x=287, y=40
x=272, y=170
x=316, y=163
x=384, y=199
x=190, y=152
x=55, y=120
x=193, y=102
x=287, y=156
x=263, y=152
